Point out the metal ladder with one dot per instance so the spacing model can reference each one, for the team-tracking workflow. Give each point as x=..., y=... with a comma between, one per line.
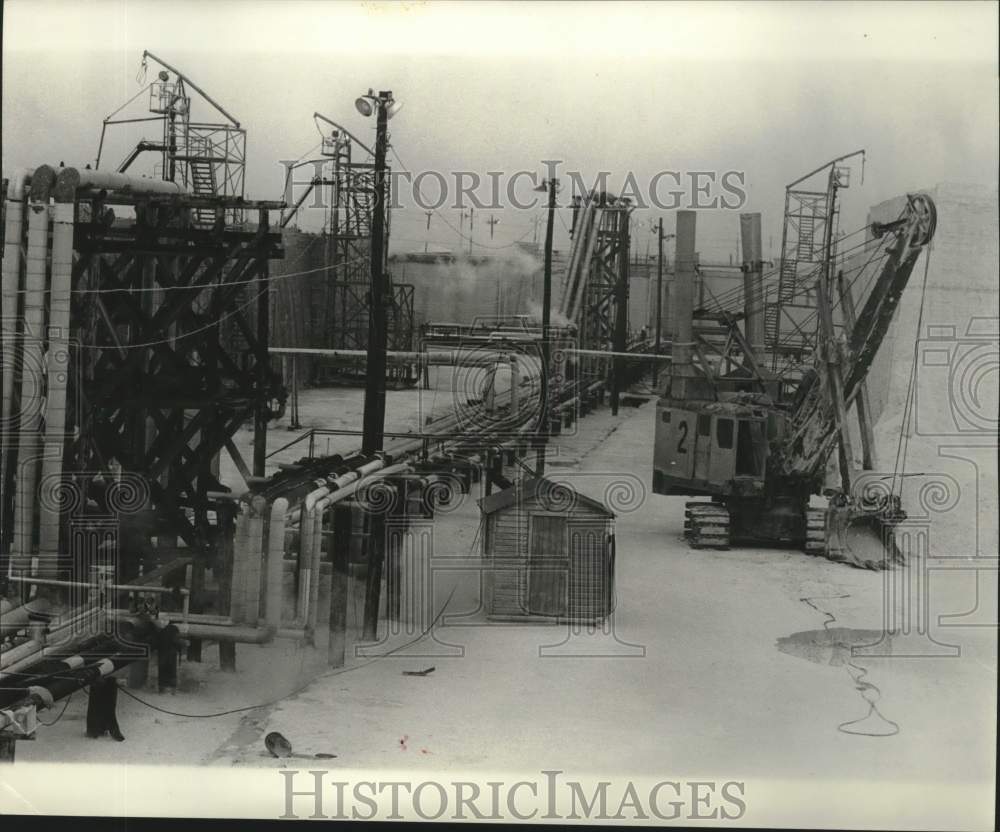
x=203, y=183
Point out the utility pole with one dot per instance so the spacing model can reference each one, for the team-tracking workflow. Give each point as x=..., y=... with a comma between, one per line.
x=659, y=297
x=428, y=213
x=492, y=221
x=544, y=420
x=471, y=218
x=374, y=413
x=620, y=336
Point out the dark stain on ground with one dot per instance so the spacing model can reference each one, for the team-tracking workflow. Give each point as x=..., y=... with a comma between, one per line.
x=830, y=646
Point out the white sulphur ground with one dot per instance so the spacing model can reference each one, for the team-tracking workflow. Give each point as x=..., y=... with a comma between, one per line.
x=710, y=692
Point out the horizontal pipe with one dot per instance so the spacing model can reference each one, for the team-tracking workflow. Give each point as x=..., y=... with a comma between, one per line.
x=471, y=356
x=53, y=649
x=162, y=590
x=16, y=618
x=56, y=641
x=65, y=674
x=636, y=356
x=243, y=634
x=175, y=616
x=70, y=180
x=22, y=651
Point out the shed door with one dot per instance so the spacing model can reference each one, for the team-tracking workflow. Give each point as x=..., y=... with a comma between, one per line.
x=547, y=565
x=590, y=569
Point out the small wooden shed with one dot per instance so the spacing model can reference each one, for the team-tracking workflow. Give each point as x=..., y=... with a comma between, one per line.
x=549, y=553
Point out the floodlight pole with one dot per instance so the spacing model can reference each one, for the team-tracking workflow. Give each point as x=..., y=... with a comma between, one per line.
x=544, y=420
x=374, y=413
x=659, y=296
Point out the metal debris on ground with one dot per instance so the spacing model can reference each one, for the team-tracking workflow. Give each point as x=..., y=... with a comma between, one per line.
x=279, y=746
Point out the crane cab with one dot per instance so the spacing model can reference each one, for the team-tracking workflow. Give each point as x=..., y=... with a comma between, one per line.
x=717, y=448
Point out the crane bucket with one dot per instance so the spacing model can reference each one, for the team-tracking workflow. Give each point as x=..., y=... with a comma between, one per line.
x=861, y=533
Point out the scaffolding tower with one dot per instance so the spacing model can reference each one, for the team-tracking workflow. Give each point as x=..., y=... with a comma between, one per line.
x=205, y=157
x=340, y=304
x=808, y=232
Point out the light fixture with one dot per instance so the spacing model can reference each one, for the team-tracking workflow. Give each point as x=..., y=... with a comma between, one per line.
x=367, y=104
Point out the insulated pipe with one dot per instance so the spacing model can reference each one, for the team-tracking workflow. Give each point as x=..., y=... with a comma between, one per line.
x=21, y=652
x=31, y=368
x=275, y=561
x=515, y=384
x=62, y=676
x=254, y=559
x=237, y=575
x=13, y=619
x=57, y=375
x=316, y=511
x=464, y=358
x=580, y=244
x=593, y=232
x=306, y=523
x=221, y=632
x=72, y=179
x=42, y=663
x=13, y=229
x=314, y=508
x=56, y=641
x=315, y=556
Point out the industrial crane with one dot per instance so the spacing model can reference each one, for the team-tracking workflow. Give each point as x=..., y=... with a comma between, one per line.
x=757, y=444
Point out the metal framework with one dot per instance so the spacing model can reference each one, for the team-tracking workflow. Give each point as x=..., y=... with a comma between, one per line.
x=156, y=390
x=791, y=319
x=596, y=291
x=206, y=158
x=341, y=304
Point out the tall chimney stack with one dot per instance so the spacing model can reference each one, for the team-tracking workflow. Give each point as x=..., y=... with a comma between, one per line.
x=753, y=290
x=683, y=301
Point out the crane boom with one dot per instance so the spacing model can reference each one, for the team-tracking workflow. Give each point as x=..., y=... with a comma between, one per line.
x=814, y=421
x=727, y=431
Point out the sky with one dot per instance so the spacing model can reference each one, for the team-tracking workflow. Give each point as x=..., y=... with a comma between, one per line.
x=770, y=90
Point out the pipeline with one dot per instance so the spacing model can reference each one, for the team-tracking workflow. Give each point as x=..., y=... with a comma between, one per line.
x=63, y=675
x=11, y=280
x=14, y=618
x=71, y=180
x=31, y=368
x=57, y=375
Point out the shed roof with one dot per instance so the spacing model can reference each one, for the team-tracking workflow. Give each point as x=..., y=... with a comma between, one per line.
x=541, y=487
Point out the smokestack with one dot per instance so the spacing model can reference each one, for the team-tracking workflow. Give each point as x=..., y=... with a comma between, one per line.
x=753, y=290
x=683, y=300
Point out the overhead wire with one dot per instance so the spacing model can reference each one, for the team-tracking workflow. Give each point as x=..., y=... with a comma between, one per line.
x=445, y=220
x=899, y=470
